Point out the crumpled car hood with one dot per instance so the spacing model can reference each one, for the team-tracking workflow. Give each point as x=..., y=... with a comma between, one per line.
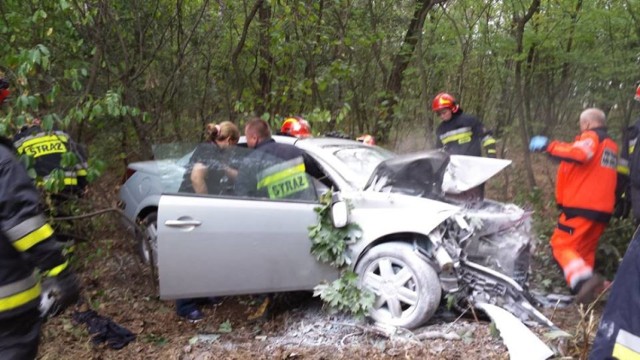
x=433, y=173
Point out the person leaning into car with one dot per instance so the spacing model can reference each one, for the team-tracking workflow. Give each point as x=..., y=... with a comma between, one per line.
x=585, y=193
x=206, y=167
x=204, y=175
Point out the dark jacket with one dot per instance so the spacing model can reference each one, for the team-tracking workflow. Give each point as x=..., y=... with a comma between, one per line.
x=464, y=134
x=618, y=335
x=26, y=240
x=48, y=148
x=275, y=170
x=628, y=189
x=211, y=156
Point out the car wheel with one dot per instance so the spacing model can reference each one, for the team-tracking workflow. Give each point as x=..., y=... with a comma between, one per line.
x=407, y=289
x=150, y=242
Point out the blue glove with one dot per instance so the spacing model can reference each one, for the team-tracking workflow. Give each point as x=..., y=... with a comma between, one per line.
x=538, y=143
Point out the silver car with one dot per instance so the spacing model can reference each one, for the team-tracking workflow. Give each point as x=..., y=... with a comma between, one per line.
x=416, y=245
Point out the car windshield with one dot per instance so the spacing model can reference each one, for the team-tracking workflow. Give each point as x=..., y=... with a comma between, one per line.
x=360, y=160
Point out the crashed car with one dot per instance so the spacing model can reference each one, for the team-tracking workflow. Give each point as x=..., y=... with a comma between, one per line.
x=418, y=241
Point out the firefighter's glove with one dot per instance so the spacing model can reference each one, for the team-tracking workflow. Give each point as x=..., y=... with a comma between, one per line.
x=538, y=143
x=58, y=293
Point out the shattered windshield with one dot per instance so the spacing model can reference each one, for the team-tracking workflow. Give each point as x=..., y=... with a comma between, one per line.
x=362, y=160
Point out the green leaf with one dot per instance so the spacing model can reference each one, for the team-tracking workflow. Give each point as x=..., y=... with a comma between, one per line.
x=225, y=327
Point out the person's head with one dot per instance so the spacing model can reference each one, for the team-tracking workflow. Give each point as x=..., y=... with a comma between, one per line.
x=445, y=106
x=366, y=139
x=225, y=134
x=296, y=126
x=256, y=131
x=592, y=118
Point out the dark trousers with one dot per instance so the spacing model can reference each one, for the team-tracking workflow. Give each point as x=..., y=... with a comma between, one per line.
x=20, y=335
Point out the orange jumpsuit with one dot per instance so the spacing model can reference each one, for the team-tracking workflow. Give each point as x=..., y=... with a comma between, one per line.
x=585, y=191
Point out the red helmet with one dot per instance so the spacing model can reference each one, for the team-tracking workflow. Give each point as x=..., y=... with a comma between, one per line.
x=444, y=101
x=296, y=126
x=366, y=139
x=637, y=96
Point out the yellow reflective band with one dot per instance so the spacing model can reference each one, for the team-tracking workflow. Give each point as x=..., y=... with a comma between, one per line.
x=461, y=138
x=33, y=238
x=70, y=181
x=631, y=148
x=82, y=172
x=56, y=270
x=491, y=151
x=623, y=352
x=21, y=298
x=43, y=145
x=489, y=141
x=281, y=175
x=624, y=170
x=288, y=186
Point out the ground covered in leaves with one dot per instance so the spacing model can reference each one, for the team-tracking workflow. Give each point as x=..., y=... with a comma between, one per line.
x=118, y=286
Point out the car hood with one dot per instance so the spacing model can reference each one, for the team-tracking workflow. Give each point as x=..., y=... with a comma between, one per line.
x=432, y=173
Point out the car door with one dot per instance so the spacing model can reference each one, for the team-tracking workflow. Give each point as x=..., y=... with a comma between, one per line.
x=211, y=246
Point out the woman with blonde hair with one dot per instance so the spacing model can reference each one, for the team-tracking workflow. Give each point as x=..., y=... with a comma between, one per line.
x=207, y=167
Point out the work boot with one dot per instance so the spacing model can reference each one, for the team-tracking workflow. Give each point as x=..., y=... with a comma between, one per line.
x=590, y=290
x=262, y=310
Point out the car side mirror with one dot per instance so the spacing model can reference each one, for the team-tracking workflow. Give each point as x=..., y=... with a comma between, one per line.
x=339, y=214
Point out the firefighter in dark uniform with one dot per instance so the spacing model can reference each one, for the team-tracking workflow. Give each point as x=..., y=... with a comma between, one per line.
x=48, y=148
x=27, y=244
x=275, y=171
x=585, y=193
x=460, y=133
x=50, y=152
x=618, y=335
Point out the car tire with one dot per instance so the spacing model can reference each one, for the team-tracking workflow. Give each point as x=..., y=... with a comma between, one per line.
x=150, y=240
x=407, y=289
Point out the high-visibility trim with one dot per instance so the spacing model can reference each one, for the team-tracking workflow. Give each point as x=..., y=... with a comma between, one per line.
x=460, y=138
x=56, y=270
x=81, y=172
x=627, y=346
x=27, y=242
x=28, y=140
x=280, y=172
x=22, y=297
x=624, y=170
x=43, y=145
x=18, y=286
x=25, y=227
x=488, y=141
x=284, y=179
x=491, y=151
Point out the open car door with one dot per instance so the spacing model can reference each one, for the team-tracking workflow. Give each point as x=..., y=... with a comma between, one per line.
x=215, y=246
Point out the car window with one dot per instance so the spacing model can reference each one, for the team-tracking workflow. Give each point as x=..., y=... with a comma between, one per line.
x=361, y=160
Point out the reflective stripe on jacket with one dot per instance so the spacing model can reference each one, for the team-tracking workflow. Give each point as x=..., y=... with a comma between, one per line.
x=464, y=134
x=586, y=181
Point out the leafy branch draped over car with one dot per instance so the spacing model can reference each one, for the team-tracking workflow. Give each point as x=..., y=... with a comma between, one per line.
x=329, y=245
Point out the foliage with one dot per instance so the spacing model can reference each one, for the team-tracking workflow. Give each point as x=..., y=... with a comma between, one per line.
x=329, y=245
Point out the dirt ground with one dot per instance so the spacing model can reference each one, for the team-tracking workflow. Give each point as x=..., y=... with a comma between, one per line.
x=119, y=287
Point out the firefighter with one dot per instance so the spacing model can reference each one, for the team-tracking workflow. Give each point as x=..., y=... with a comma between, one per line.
x=27, y=244
x=628, y=189
x=48, y=148
x=460, y=133
x=585, y=193
x=295, y=126
x=272, y=170
x=618, y=335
